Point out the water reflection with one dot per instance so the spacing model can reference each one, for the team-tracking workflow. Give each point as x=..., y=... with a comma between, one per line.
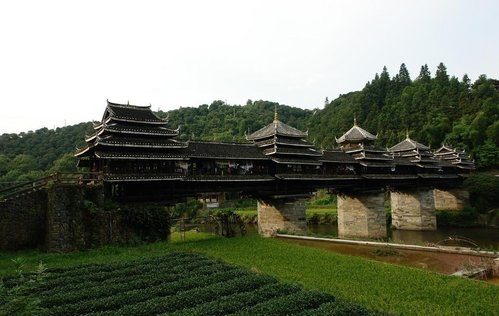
x=483, y=237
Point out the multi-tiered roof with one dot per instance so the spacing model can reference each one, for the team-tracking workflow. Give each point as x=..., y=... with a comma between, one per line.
x=416, y=153
x=455, y=157
x=358, y=143
x=285, y=144
x=130, y=132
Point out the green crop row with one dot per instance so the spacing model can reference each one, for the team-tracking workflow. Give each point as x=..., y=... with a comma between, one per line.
x=120, y=285
x=232, y=303
x=94, y=268
x=179, y=284
x=196, y=296
x=289, y=304
x=85, y=279
x=139, y=295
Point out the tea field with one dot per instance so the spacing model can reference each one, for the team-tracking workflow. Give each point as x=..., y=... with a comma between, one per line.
x=179, y=283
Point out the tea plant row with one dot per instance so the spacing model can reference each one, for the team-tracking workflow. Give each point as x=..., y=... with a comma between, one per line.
x=179, y=284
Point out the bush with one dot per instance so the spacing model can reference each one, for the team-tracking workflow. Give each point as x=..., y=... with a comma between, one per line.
x=484, y=191
x=149, y=222
x=465, y=218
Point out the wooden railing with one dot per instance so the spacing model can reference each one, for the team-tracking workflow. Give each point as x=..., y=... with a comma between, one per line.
x=40, y=183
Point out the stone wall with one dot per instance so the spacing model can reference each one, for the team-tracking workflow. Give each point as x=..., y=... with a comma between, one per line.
x=453, y=200
x=413, y=210
x=22, y=221
x=281, y=214
x=361, y=215
x=64, y=218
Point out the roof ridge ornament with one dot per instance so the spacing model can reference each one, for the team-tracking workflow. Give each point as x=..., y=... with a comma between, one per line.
x=354, y=119
x=276, y=118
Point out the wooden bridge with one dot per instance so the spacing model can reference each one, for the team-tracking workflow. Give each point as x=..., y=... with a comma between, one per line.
x=138, y=158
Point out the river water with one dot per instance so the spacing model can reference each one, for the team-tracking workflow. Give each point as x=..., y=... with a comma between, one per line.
x=481, y=237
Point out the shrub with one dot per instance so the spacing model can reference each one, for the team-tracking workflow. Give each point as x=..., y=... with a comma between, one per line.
x=484, y=191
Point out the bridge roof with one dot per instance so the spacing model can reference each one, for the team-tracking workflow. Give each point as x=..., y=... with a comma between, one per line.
x=276, y=128
x=296, y=161
x=356, y=134
x=279, y=140
x=456, y=157
x=198, y=149
x=337, y=156
x=408, y=144
x=131, y=113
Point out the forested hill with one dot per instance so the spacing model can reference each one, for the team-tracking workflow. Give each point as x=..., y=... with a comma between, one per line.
x=223, y=122
x=433, y=109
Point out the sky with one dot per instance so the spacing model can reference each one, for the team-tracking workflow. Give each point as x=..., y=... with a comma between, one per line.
x=61, y=60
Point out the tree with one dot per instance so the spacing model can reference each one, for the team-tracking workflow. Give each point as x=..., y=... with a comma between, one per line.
x=441, y=76
x=424, y=74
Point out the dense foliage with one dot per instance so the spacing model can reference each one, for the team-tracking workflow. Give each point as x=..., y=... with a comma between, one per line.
x=31, y=155
x=178, y=284
x=434, y=110
x=222, y=122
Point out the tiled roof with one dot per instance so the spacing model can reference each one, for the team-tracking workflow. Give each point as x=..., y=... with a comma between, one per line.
x=142, y=130
x=337, y=156
x=408, y=144
x=276, y=128
x=376, y=164
x=455, y=157
x=356, y=134
x=279, y=140
x=371, y=156
x=296, y=161
x=121, y=141
x=128, y=129
x=132, y=113
x=223, y=150
x=299, y=151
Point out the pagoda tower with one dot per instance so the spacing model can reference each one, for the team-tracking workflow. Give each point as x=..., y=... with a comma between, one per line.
x=358, y=143
x=416, y=153
x=455, y=157
x=286, y=146
x=131, y=140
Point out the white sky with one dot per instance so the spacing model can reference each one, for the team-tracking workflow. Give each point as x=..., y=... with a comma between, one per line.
x=61, y=60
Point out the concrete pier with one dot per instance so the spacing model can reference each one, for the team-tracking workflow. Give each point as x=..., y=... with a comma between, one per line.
x=361, y=215
x=413, y=209
x=453, y=199
x=281, y=215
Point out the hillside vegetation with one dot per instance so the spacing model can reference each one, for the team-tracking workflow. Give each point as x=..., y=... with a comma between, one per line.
x=432, y=109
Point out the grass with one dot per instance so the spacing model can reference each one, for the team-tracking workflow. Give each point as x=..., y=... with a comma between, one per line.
x=318, y=209
x=375, y=285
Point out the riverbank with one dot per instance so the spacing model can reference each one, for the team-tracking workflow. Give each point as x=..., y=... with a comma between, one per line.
x=442, y=259
x=375, y=285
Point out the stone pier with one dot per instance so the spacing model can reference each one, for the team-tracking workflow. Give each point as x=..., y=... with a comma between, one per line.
x=413, y=210
x=362, y=215
x=281, y=214
x=453, y=199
